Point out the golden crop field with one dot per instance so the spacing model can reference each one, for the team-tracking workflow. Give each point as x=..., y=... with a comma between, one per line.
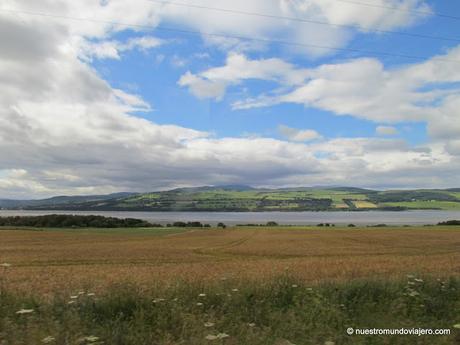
x=53, y=260
x=364, y=204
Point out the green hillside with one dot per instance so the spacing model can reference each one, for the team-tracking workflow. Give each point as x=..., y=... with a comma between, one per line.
x=243, y=198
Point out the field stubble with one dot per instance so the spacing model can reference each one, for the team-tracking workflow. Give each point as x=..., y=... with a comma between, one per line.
x=47, y=261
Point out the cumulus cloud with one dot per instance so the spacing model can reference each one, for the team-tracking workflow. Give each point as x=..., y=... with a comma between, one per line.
x=213, y=82
x=363, y=88
x=112, y=49
x=300, y=135
x=309, y=36
x=386, y=130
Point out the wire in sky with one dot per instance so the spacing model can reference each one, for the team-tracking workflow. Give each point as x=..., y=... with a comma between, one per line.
x=303, y=20
x=191, y=32
x=419, y=12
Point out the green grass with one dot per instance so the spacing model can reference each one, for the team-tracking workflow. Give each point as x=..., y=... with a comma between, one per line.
x=280, y=311
x=443, y=205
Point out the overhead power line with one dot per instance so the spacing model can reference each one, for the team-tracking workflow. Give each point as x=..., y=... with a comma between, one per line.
x=419, y=12
x=303, y=20
x=191, y=32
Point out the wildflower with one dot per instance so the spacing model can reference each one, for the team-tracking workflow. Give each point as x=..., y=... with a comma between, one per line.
x=235, y=290
x=294, y=285
x=222, y=335
x=91, y=339
x=81, y=292
x=90, y=294
x=199, y=304
x=457, y=326
x=6, y=265
x=73, y=297
x=71, y=302
x=209, y=324
x=202, y=295
x=211, y=337
x=24, y=311
x=414, y=294
x=418, y=280
x=251, y=324
x=48, y=340
x=158, y=300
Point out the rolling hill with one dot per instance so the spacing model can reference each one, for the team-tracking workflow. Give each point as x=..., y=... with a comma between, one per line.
x=245, y=198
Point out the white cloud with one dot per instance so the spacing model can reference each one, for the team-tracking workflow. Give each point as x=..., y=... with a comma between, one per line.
x=308, y=34
x=213, y=82
x=112, y=49
x=386, y=130
x=363, y=88
x=294, y=134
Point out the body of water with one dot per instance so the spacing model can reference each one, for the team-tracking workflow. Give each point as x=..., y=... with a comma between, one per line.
x=416, y=217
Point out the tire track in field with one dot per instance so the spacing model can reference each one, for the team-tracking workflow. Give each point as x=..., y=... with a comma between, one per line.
x=217, y=251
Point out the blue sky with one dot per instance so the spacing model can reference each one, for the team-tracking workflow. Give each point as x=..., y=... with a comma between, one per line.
x=154, y=74
x=90, y=106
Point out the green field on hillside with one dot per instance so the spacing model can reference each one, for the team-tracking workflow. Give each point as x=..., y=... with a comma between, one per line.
x=243, y=199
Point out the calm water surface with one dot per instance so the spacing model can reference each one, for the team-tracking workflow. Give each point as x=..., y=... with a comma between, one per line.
x=417, y=217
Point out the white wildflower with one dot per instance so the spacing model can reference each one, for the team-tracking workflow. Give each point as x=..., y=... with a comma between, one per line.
x=202, y=295
x=24, y=311
x=209, y=324
x=199, y=304
x=211, y=337
x=6, y=265
x=91, y=339
x=48, y=340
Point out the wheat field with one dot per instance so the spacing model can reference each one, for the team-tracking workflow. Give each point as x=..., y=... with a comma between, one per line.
x=54, y=260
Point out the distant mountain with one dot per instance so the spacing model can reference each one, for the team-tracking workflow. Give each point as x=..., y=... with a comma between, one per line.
x=238, y=188
x=245, y=198
x=61, y=200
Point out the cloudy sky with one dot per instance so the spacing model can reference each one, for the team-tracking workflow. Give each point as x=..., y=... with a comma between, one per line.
x=100, y=96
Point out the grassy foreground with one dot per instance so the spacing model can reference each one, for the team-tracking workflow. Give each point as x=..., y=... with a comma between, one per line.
x=281, y=311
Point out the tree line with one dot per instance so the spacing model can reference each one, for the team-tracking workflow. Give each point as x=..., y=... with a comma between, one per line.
x=74, y=221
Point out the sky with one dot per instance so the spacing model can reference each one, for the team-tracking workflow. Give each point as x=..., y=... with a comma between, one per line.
x=142, y=95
